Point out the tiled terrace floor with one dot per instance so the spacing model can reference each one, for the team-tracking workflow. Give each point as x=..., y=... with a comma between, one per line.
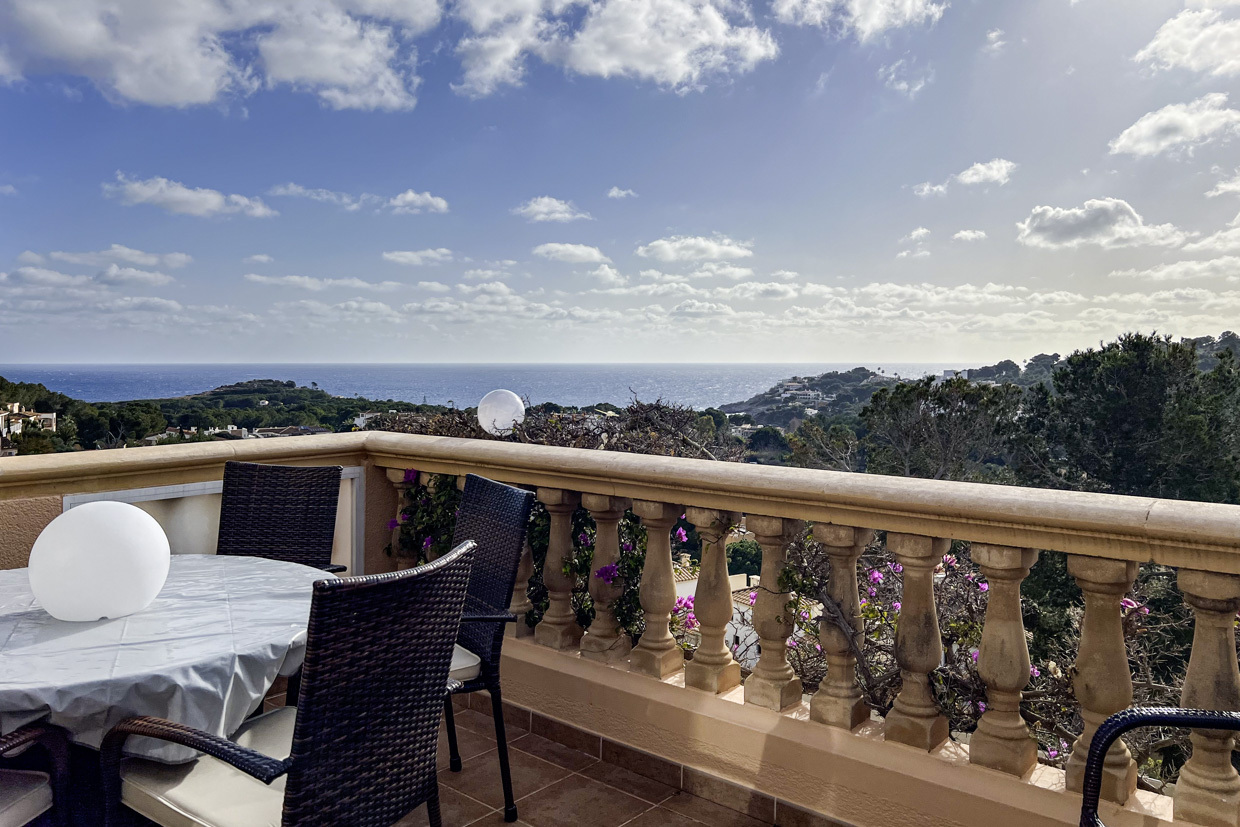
x=557, y=786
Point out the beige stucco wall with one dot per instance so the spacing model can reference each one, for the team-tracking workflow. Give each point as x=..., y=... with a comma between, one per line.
x=20, y=524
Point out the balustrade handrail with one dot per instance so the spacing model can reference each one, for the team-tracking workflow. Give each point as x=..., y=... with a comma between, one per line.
x=1203, y=536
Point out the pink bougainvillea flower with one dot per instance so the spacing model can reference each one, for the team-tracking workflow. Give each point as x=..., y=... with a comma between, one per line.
x=895, y=607
x=392, y=523
x=411, y=475
x=681, y=535
x=984, y=586
x=427, y=543
x=753, y=598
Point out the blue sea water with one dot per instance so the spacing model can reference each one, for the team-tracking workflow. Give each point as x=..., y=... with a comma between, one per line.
x=696, y=385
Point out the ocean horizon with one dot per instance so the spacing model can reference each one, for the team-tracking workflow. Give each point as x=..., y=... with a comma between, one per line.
x=697, y=385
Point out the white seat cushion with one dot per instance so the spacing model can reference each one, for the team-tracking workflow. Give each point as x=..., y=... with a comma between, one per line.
x=465, y=664
x=23, y=796
x=208, y=791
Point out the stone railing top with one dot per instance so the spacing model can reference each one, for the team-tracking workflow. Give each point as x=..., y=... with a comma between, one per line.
x=1176, y=533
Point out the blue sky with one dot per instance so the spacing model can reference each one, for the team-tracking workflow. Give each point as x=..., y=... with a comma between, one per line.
x=613, y=180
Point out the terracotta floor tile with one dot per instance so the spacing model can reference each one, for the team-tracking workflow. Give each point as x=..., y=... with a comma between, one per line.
x=578, y=800
x=557, y=754
x=708, y=812
x=630, y=782
x=479, y=776
x=659, y=817
x=456, y=809
x=468, y=742
x=476, y=721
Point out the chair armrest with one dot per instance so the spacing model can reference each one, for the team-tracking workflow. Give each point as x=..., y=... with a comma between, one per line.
x=335, y=569
x=506, y=617
x=454, y=686
x=251, y=762
x=25, y=736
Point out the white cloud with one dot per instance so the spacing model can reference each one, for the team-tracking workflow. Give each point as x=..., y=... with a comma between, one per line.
x=259, y=258
x=994, y=42
x=116, y=274
x=1230, y=186
x=721, y=269
x=1104, y=222
x=786, y=275
x=418, y=258
x=546, y=208
x=353, y=54
x=1200, y=41
x=29, y=257
x=317, y=284
x=1224, y=241
x=433, y=286
x=175, y=197
x=616, y=192
x=572, y=253
x=607, y=274
x=918, y=234
x=349, y=202
x=696, y=248
x=486, y=273
x=970, y=235
x=692, y=308
x=751, y=290
x=867, y=19
x=677, y=44
x=920, y=252
x=997, y=171
x=9, y=189
x=412, y=203
x=1180, y=126
x=925, y=189
x=1225, y=266
x=904, y=78
x=124, y=255
x=42, y=276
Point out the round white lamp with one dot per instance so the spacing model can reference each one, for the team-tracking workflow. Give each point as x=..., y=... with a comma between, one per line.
x=99, y=560
x=499, y=411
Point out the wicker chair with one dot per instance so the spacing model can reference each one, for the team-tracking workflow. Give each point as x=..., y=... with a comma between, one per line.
x=1135, y=718
x=281, y=512
x=495, y=516
x=360, y=748
x=26, y=794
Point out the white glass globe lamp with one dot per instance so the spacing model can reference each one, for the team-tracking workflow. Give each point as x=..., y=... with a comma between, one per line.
x=499, y=411
x=99, y=560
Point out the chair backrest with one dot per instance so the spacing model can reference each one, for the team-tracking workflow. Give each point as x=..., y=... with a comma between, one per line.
x=495, y=516
x=281, y=512
x=1135, y=718
x=378, y=651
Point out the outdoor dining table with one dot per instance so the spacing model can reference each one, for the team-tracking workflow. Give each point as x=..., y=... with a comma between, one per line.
x=204, y=653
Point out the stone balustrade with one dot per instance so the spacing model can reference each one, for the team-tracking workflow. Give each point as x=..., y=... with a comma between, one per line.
x=640, y=691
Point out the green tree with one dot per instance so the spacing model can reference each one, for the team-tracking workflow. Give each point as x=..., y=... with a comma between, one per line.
x=744, y=557
x=815, y=444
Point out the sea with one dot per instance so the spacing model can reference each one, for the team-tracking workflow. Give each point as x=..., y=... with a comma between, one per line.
x=694, y=385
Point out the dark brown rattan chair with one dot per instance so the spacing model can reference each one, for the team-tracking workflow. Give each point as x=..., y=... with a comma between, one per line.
x=360, y=747
x=282, y=512
x=495, y=516
x=1135, y=718
x=27, y=794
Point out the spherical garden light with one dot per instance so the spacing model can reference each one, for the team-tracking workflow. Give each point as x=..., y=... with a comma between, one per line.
x=499, y=411
x=99, y=560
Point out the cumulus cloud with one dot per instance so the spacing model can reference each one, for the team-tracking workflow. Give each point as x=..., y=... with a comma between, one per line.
x=918, y=234
x=1101, y=222
x=997, y=171
x=1225, y=266
x=616, y=192
x=116, y=274
x=1179, y=127
x=751, y=290
x=866, y=19
x=677, y=44
x=175, y=197
x=410, y=202
x=925, y=189
x=546, y=208
x=719, y=269
x=418, y=258
x=571, y=253
x=607, y=274
x=905, y=78
x=352, y=54
x=258, y=258
x=692, y=308
x=1224, y=241
x=433, y=286
x=920, y=252
x=119, y=253
x=46, y=277
x=1229, y=186
x=29, y=257
x=486, y=273
x=695, y=248
x=1200, y=40
x=970, y=235
x=317, y=284
x=994, y=42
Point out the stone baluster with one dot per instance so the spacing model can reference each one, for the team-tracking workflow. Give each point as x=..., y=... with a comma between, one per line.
x=559, y=629
x=712, y=668
x=773, y=684
x=1102, y=681
x=1208, y=791
x=603, y=640
x=1002, y=740
x=402, y=480
x=838, y=701
x=915, y=719
x=657, y=653
x=521, y=605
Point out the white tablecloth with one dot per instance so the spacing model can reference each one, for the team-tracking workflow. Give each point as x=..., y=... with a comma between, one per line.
x=203, y=654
